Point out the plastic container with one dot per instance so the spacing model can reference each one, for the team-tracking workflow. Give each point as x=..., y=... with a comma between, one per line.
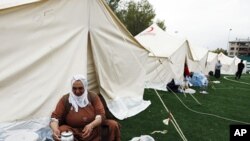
x=67, y=136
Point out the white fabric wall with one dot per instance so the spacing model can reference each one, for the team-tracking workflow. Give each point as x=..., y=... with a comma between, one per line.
x=39, y=56
x=44, y=44
x=158, y=42
x=4, y=4
x=166, y=58
x=212, y=59
x=197, y=59
x=228, y=66
x=160, y=71
x=118, y=64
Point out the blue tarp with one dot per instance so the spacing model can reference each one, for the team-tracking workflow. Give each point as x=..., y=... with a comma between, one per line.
x=199, y=79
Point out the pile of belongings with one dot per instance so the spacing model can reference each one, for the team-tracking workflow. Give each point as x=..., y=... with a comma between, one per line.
x=172, y=86
x=198, y=79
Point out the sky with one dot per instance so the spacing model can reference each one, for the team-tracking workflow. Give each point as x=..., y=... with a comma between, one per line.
x=205, y=23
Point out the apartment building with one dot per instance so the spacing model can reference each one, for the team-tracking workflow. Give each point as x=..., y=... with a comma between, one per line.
x=239, y=47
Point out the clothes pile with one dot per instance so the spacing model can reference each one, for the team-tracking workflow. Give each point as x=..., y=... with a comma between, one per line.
x=199, y=79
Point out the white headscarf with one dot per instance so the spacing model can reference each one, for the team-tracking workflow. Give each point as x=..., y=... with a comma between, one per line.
x=81, y=101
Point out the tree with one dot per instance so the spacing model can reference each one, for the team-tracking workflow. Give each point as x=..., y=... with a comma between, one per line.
x=113, y=4
x=219, y=50
x=161, y=24
x=136, y=16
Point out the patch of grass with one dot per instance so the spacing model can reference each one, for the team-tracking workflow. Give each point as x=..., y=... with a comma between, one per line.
x=227, y=99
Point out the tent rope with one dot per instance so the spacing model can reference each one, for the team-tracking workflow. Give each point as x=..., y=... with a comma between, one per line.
x=172, y=117
x=208, y=114
x=141, y=66
x=183, y=92
x=202, y=113
x=225, y=77
x=174, y=122
x=195, y=99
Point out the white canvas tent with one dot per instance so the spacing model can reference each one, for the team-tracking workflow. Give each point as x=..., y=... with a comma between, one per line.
x=4, y=4
x=166, y=58
x=44, y=44
x=197, y=63
x=212, y=59
x=228, y=65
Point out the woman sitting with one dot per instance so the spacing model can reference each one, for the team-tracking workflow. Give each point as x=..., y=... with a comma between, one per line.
x=82, y=113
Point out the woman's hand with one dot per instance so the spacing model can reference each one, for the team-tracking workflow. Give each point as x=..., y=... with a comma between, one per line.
x=56, y=134
x=55, y=129
x=87, y=131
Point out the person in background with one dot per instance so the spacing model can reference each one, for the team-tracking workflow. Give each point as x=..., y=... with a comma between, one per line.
x=241, y=66
x=218, y=66
x=187, y=76
x=186, y=71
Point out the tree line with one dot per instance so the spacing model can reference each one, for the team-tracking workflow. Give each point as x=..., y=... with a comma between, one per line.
x=136, y=16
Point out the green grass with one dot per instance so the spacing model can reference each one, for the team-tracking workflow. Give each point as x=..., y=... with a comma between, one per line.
x=227, y=99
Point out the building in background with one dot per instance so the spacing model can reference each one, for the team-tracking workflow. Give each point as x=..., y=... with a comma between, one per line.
x=239, y=47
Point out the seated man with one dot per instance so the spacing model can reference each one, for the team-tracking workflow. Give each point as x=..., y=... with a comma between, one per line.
x=82, y=113
x=172, y=86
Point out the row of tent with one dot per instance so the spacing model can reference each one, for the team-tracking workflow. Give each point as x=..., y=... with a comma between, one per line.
x=168, y=54
x=229, y=65
x=45, y=42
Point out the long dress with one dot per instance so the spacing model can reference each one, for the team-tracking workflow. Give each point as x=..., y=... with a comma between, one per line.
x=76, y=121
x=217, y=70
x=239, y=71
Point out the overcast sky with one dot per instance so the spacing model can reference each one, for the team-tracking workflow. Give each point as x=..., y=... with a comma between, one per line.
x=205, y=22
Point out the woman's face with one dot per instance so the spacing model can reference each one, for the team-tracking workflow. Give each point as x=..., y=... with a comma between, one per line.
x=78, y=88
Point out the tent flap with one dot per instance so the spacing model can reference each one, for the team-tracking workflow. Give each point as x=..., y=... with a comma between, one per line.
x=47, y=46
